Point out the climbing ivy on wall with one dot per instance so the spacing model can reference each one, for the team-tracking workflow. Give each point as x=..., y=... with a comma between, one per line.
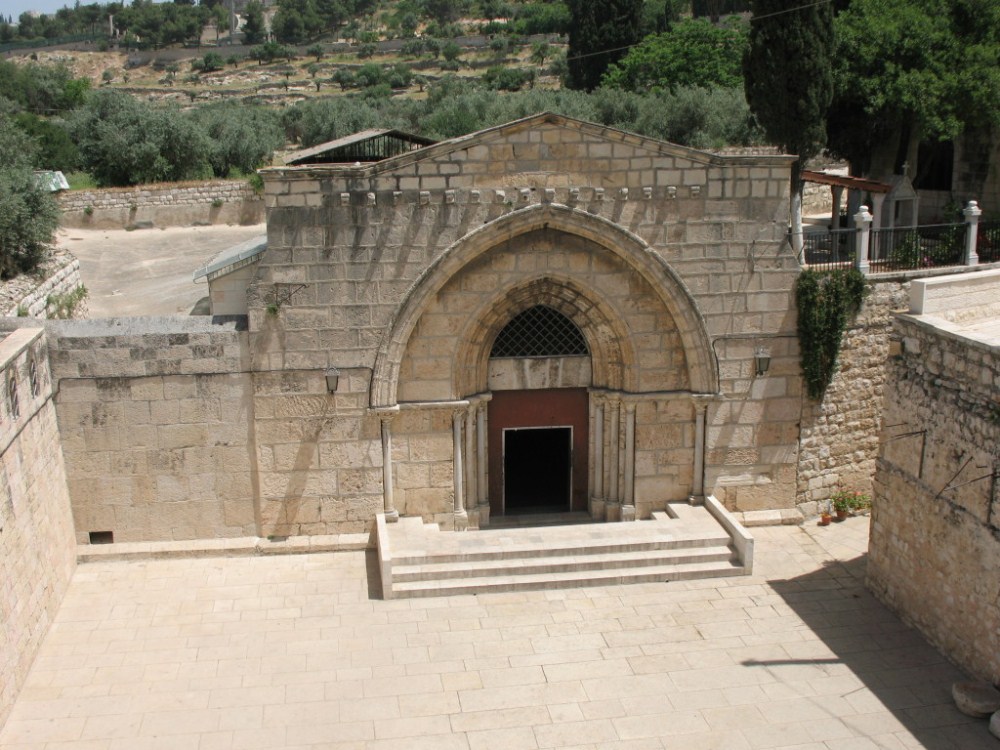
x=826, y=302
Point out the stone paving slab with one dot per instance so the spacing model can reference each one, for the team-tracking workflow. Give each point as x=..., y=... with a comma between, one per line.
x=293, y=652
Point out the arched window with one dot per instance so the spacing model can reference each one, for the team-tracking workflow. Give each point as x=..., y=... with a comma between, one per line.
x=540, y=331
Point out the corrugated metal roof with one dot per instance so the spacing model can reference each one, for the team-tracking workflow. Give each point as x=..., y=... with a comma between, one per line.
x=340, y=150
x=233, y=258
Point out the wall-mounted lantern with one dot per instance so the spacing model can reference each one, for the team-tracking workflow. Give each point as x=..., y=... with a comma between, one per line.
x=761, y=361
x=332, y=379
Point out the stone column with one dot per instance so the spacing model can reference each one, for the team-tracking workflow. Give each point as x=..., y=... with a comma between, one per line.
x=386, y=417
x=628, y=496
x=878, y=201
x=698, y=480
x=483, y=488
x=612, y=503
x=837, y=193
x=461, y=516
x=863, y=221
x=972, y=212
x=597, y=486
x=471, y=486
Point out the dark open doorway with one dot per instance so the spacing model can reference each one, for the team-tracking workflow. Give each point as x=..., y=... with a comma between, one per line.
x=537, y=469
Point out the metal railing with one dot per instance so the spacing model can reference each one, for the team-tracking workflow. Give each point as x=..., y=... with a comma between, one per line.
x=988, y=244
x=910, y=248
x=829, y=249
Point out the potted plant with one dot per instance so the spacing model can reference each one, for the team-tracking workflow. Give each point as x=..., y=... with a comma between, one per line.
x=824, y=515
x=845, y=502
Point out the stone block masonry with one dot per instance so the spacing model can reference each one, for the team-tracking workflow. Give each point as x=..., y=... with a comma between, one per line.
x=838, y=442
x=178, y=204
x=29, y=295
x=37, y=549
x=156, y=417
x=934, y=554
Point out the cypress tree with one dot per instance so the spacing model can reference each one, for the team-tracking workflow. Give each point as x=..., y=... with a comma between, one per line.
x=601, y=31
x=788, y=78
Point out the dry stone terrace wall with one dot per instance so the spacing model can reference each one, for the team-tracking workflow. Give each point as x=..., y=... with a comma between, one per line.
x=156, y=421
x=934, y=553
x=347, y=247
x=29, y=293
x=37, y=549
x=178, y=204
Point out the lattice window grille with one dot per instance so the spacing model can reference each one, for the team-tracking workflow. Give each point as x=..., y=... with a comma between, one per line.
x=540, y=331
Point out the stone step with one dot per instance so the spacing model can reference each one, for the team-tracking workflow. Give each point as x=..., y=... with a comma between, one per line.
x=581, y=560
x=521, y=549
x=566, y=579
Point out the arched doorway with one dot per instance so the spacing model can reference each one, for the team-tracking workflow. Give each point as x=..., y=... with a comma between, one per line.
x=538, y=437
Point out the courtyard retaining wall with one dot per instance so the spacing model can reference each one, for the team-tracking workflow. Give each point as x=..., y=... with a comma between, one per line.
x=934, y=552
x=156, y=419
x=37, y=548
x=177, y=204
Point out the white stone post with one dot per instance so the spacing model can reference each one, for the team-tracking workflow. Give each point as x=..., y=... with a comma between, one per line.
x=471, y=485
x=698, y=483
x=613, y=501
x=386, y=417
x=597, y=488
x=461, y=517
x=863, y=222
x=628, y=496
x=484, y=493
x=972, y=212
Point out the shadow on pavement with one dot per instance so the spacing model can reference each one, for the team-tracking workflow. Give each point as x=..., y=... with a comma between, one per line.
x=898, y=670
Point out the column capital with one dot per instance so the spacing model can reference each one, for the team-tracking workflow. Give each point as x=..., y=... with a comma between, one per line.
x=385, y=413
x=972, y=211
x=863, y=216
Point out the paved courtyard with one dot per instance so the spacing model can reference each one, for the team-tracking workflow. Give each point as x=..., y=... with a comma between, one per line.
x=148, y=271
x=295, y=652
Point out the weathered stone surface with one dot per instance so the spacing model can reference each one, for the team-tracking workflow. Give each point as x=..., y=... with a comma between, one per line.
x=977, y=699
x=995, y=725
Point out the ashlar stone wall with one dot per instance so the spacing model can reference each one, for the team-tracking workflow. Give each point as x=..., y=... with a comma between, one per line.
x=37, y=548
x=156, y=419
x=387, y=272
x=934, y=554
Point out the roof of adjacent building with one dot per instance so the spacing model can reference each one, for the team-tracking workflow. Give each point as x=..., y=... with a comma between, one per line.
x=364, y=147
x=846, y=181
x=233, y=258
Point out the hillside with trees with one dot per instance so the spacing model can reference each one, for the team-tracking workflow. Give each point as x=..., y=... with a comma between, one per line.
x=161, y=91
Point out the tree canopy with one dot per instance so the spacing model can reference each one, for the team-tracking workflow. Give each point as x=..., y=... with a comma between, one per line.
x=124, y=141
x=909, y=70
x=600, y=34
x=694, y=52
x=28, y=212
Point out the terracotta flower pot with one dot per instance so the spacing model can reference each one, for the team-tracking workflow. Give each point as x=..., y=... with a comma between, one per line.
x=824, y=519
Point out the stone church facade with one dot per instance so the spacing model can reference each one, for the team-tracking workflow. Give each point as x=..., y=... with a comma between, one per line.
x=632, y=282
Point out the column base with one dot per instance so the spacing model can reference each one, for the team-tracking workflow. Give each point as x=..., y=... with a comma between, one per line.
x=484, y=516
x=628, y=513
x=696, y=499
x=391, y=516
x=612, y=511
x=597, y=509
x=461, y=520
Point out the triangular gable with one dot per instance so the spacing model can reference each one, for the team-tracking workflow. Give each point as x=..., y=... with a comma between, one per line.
x=445, y=151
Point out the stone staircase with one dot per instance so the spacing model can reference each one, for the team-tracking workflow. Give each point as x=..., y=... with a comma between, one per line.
x=686, y=542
